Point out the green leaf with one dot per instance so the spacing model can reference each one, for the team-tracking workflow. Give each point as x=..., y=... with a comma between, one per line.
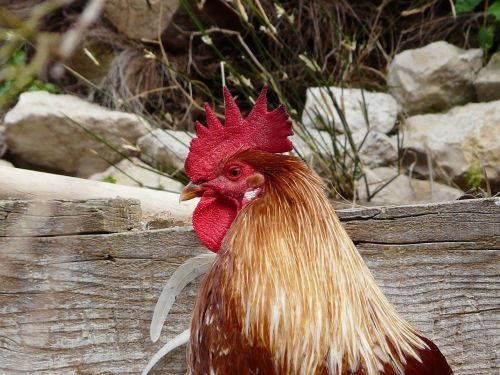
x=109, y=179
x=5, y=86
x=486, y=37
x=474, y=176
x=462, y=6
x=18, y=58
x=50, y=87
x=35, y=85
x=494, y=10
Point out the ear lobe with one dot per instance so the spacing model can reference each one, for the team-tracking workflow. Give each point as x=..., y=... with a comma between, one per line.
x=255, y=180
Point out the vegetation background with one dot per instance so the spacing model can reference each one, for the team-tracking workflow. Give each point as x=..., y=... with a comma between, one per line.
x=288, y=45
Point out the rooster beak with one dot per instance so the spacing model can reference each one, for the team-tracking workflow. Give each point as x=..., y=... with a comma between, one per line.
x=191, y=191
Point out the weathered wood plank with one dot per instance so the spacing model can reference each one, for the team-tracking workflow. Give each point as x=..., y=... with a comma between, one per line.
x=20, y=218
x=83, y=304
x=459, y=221
x=26, y=184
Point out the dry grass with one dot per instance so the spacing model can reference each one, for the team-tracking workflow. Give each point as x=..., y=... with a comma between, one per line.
x=289, y=46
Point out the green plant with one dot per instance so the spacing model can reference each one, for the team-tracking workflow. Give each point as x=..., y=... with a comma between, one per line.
x=491, y=23
x=17, y=35
x=109, y=179
x=474, y=177
x=17, y=62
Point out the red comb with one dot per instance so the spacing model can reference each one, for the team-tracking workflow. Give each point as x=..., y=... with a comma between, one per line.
x=261, y=130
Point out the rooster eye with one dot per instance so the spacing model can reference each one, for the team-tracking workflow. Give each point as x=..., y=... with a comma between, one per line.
x=234, y=172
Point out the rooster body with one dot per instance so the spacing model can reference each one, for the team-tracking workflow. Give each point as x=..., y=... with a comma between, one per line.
x=288, y=292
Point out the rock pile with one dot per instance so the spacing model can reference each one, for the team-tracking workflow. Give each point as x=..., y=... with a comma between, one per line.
x=369, y=116
x=65, y=134
x=434, y=78
x=447, y=137
x=68, y=135
x=463, y=139
x=487, y=83
x=455, y=142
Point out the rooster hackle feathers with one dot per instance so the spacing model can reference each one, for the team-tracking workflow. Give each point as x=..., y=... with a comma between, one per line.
x=288, y=292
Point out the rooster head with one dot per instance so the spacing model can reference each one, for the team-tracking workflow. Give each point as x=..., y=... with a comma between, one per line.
x=225, y=183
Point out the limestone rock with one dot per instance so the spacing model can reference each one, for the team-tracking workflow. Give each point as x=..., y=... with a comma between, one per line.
x=463, y=138
x=375, y=148
x=319, y=111
x=311, y=145
x=5, y=163
x=487, y=82
x=402, y=189
x=134, y=172
x=434, y=78
x=46, y=131
x=140, y=18
x=165, y=149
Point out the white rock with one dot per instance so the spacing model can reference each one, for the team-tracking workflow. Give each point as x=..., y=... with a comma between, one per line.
x=375, y=148
x=5, y=163
x=311, y=144
x=458, y=140
x=137, y=173
x=487, y=83
x=402, y=189
x=435, y=77
x=140, y=18
x=319, y=111
x=166, y=149
x=45, y=130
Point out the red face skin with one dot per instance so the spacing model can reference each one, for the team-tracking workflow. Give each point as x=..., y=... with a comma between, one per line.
x=224, y=195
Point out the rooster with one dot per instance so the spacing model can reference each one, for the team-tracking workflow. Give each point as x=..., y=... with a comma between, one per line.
x=288, y=292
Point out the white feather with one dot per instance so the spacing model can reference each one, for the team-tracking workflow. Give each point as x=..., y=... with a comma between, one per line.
x=186, y=273
x=177, y=341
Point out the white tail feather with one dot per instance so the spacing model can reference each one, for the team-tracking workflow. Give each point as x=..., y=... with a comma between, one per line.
x=186, y=273
x=177, y=341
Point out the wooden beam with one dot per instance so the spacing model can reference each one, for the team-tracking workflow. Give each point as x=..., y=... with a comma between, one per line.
x=83, y=304
x=457, y=221
x=21, y=218
x=26, y=184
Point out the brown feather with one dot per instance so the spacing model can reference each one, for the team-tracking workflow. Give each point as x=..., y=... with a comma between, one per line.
x=290, y=294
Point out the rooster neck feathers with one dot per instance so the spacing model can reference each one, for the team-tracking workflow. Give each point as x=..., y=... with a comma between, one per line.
x=288, y=293
x=297, y=281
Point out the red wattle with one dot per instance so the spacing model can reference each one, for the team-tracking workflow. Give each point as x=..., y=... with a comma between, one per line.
x=212, y=219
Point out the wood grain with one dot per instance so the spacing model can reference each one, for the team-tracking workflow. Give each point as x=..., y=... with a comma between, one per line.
x=27, y=184
x=82, y=304
x=19, y=218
